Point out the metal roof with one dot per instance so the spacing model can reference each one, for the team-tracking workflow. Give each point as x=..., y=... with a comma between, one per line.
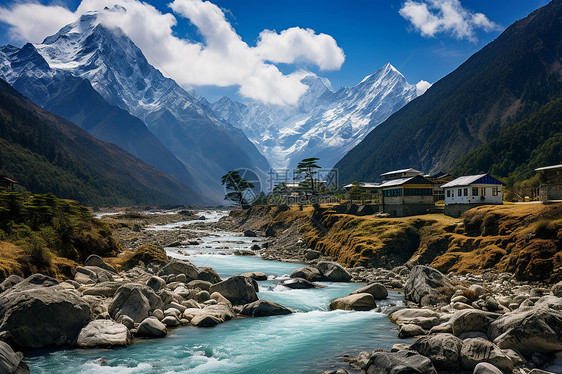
x=549, y=167
x=395, y=182
x=363, y=184
x=410, y=170
x=470, y=179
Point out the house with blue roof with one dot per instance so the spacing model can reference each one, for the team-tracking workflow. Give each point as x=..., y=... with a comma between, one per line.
x=466, y=192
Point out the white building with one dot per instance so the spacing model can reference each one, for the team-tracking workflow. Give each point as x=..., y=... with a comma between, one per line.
x=469, y=191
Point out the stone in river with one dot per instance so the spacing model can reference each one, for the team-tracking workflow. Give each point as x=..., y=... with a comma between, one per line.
x=361, y=301
x=103, y=333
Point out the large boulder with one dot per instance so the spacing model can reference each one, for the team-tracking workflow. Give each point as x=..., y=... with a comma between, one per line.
x=557, y=289
x=309, y=273
x=263, y=308
x=205, y=320
x=442, y=349
x=37, y=312
x=156, y=283
x=528, y=330
x=402, y=362
x=177, y=267
x=134, y=300
x=152, y=328
x=408, y=315
x=11, y=362
x=299, y=284
x=95, y=260
x=478, y=350
x=257, y=275
x=486, y=368
x=333, y=272
x=9, y=282
x=238, y=290
x=471, y=320
x=360, y=301
x=378, y=291
x=92, y=275
x=423, y=286
x=209, y=275
x=104, y=333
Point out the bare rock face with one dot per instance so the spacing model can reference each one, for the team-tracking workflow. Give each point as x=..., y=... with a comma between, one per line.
x=134, y=300
x=37, y=312
x=238, y=290
x=528, y=330
x=423, y=286
x=442, y=349
x=360, y=301
x=104, y=333
x=263, y=308
x=333, y=272
x=10, y=361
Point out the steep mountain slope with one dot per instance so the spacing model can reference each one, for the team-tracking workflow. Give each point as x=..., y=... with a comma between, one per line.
x=119, y=71
x=508, y=79
x=46, y=153
x=520, y=148
x=74, y=99
x=324, y=124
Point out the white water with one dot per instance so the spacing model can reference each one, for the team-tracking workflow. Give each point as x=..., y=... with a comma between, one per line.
x=308, y=341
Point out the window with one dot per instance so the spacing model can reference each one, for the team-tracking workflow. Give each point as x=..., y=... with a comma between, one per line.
x=494, y=191
x=448, y=193
x=466, y=192
x=474, y=191
x=483, y=191
x=418, y=191
x=393, y=192
x=459, y=192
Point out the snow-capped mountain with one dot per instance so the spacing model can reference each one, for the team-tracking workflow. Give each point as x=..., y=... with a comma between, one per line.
x=118, y=70
x=325, y=124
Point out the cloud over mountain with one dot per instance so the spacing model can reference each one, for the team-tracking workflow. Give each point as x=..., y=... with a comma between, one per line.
x=221, y=58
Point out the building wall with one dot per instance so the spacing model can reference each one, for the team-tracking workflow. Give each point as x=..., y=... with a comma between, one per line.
x=405, y=210
x=479, y=199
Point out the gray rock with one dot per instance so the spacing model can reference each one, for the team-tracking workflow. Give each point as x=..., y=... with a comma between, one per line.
x=378, y=291
x=472, y=335
x=361, y=301
x=152, y=328
x=410, y=330
x=471, y=320
x=95, y=260
x=209, y=275
x=486, y=368
x=205, y=320
x=156, y=283
x=238, y=290
x=250, y=234
x=105, y=289
x=134, y=300
x=9, y=282
x=201, y=284
x=402, y=362
x=103, y=333
x=309, y=273
x=299, y=284
x=171, y=321
x=407, y=315
x=220, y=298
x=423, y=286
x=177, y=267
x=202, y=296
x=92, y=274
x=528, y=330
x=312, y=255
x=333, y=272
x=257, y=275
x=159, y=314
x=478, y=350
x=127, y=321
x=34, y=315
x=264, y=308
x=10, y=361
x=442, y=349
x=557, y=289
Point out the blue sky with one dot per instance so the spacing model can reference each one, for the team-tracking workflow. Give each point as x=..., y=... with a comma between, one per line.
x=370, y=32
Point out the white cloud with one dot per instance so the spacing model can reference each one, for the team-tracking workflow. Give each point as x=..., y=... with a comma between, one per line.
x=422, y=86
x=430, y=17
x=222, y=59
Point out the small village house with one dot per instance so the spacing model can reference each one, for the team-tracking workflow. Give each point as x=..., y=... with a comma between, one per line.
x=368, y=187
x=438, y=180
x=405, y=193
x=468, y=191
x=550, y=188
x=7, y=183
